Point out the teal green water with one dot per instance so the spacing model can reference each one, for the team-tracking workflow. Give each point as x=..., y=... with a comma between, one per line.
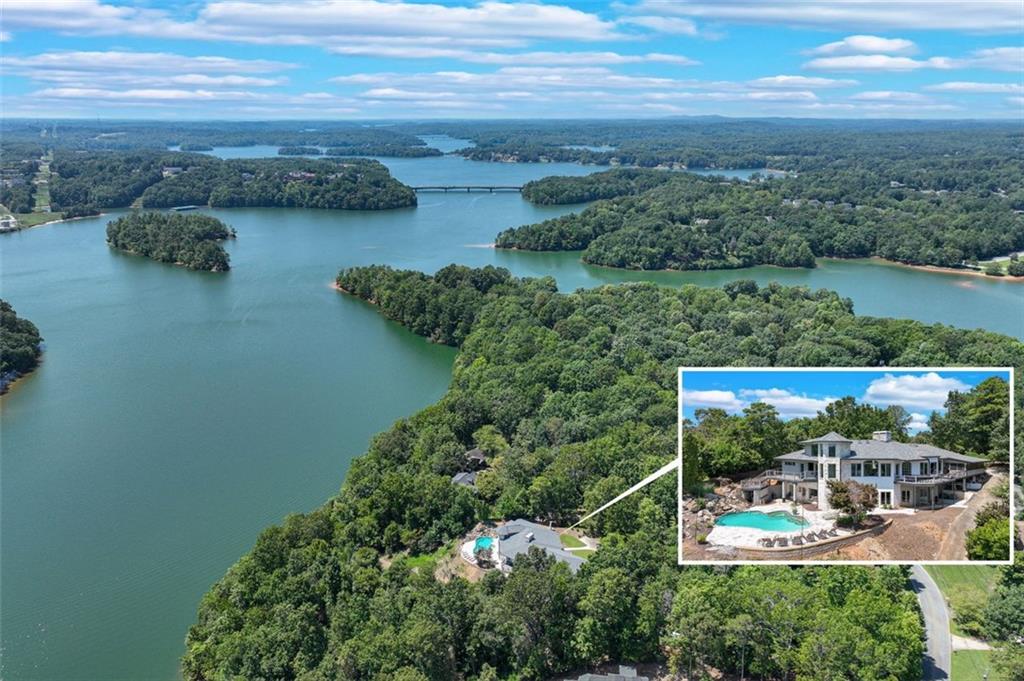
x=483, y=543
x=777, y=521
x=178, y=413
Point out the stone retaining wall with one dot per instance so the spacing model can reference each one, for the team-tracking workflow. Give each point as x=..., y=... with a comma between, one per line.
x=809, y=550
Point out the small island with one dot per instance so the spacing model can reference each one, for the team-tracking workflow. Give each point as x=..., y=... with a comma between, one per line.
x=187, y=240
x=193, y=146
x=20, y=346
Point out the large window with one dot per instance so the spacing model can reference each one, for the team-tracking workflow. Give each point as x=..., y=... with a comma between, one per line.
x=870, y=468
x=814, y=450
x=855, y=470
x=832, y=451
x=831, y=470
x=886, y=470
x=908, y=468
x=884, y=498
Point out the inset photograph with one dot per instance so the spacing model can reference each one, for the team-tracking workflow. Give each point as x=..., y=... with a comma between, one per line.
x=876, y=465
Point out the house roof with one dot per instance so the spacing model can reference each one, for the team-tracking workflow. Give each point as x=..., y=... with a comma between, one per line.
x=476, y=454
x=513, y=541
x=891, y=451
x=467, y=479
x=831, y=436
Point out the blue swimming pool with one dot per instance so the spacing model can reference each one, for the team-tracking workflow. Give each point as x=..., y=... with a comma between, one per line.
x=483, y=543
x=776, y=521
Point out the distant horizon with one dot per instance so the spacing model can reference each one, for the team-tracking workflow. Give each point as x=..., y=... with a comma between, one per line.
x=679, y=117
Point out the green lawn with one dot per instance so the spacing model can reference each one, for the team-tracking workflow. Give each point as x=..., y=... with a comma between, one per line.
x=33, y=219
x=571, y=542
x=973, y=582
x=584, y=553
x=951, y=578
x=971, y=665
x=426, y=560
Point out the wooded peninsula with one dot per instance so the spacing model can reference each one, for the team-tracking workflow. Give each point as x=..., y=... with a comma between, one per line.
x=569, y=398
x=100, y=180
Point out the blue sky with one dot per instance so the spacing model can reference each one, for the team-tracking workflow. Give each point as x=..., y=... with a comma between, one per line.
x=366, y=59
x=803, y=393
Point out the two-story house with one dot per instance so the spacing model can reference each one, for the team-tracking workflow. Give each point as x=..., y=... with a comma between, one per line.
x=906, y=475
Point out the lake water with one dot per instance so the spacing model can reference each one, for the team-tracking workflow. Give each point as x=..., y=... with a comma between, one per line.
x=178, y=413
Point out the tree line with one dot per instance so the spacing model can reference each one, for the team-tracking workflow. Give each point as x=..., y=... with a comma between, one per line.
x=572, y=398
x=95, y=180
x=187, y=240
x=20, y=346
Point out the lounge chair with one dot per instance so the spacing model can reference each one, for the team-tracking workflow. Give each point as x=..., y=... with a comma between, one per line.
x=766, y=542
x=822, y=534
x=833, y=532
x=781, y=541
x=810, y=537
x=798, y=541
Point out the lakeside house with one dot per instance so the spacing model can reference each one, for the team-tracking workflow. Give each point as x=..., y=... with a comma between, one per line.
x=516, y=538
x=907, y=475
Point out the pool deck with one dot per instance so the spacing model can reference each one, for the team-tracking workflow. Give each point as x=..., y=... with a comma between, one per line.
x=747, y=537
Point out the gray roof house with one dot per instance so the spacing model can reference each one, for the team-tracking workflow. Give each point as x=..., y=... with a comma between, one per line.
x=466, y=479
x=905, y=474
x=517, y=536
x=626, y=673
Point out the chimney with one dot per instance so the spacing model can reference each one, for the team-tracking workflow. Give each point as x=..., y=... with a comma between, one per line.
x=882, y=435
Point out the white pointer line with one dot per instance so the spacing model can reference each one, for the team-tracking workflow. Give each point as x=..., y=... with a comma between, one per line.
x=664, y=470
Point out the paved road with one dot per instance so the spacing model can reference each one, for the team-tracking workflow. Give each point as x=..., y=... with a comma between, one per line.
x=937, y=658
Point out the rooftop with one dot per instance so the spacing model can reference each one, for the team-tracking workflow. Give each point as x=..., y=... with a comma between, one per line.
x=892, y=451
x=831, y=436
x=517, y=536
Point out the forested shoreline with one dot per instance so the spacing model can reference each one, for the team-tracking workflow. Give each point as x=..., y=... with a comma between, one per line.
x=191, y=241
x=571, y=397
x=88, y=181
x=664, y=220
x=20, y=346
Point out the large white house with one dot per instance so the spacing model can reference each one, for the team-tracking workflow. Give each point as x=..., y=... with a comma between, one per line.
x=905, y=474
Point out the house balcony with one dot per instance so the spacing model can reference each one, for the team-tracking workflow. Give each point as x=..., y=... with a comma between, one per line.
x=936, y=478
x=770, y=477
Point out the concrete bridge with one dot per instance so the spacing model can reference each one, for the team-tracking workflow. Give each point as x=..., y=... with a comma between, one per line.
x=489, y=188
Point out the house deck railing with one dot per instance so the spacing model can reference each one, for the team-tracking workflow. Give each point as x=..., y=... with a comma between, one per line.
x=763, y=479
x=934, y=478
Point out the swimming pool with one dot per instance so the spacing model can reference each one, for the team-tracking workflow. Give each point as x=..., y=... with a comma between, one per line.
x=776, y=521
x=482, y=543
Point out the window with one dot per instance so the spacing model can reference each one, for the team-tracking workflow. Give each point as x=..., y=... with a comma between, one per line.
x=831, y=470
x=932, y=467
x=855, y=470
x=832, y=451
x=870, y=468
x=886, y=470
x=908, y=468
x=884, y=498
x=814, y=450
x=905, y=495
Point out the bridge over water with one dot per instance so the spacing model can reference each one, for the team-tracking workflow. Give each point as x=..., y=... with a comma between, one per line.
x=490, y=188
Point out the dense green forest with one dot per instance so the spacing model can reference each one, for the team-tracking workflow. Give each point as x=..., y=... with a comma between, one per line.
x=354, y=138
x=692, y=222
x=187, y=240
x=168, y=179
x=20, y=346
x=18, y=166
x=572, y=398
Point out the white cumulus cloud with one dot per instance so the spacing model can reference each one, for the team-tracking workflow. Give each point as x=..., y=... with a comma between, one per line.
x=719, y=399
x=865, y=44
x=911, y=391
x=789, y=404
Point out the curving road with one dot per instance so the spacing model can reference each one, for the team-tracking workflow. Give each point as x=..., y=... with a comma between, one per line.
x=938, y=642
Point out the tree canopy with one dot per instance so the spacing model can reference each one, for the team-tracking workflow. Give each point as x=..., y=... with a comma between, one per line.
x=187, y=240
x=20, y=345
x=572, y=397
